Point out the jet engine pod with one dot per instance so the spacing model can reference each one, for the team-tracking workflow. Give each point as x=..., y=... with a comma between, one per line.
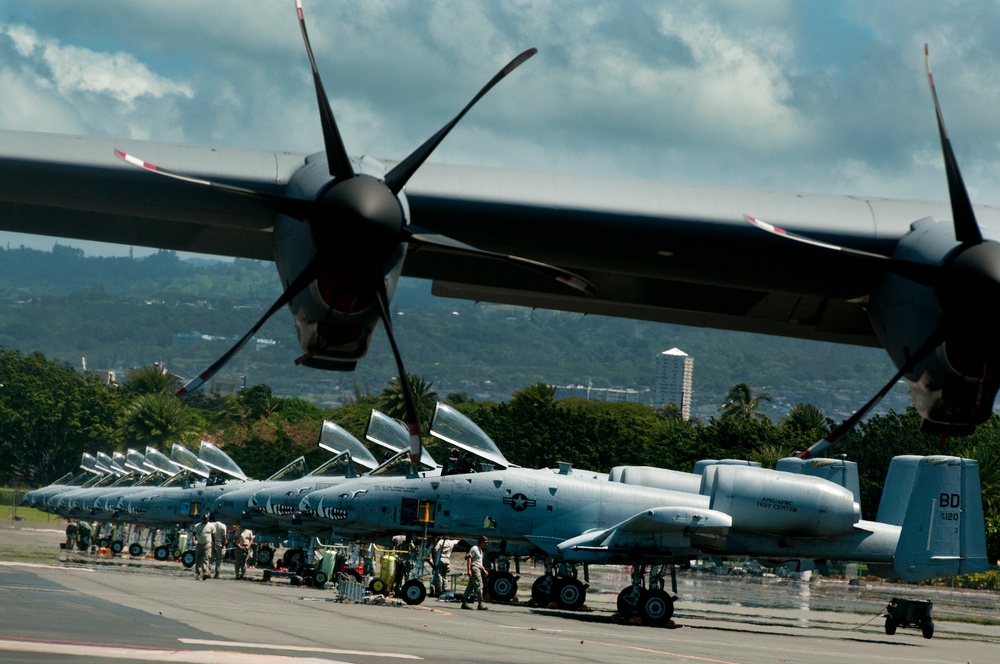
x=776, y=503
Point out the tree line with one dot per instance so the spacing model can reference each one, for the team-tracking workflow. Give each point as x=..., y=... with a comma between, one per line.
x=50, y=414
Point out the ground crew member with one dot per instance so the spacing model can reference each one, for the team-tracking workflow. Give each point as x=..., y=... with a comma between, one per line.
x=244, y=540
x=476, y=570
x=203, y=536
x=72, y=530
x=218, y=545
x=441, y=562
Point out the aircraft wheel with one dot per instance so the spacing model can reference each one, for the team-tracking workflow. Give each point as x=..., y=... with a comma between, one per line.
x=927, y=628
x=187, y=559
x=117, y=546
x=293, y=558
x=413, y=591
x=890, y=626
x=628, y=600
x=320, y=578
x=161, y=552
x=656, y=607
x=569, y=593
x=376, y=586
x=501, y=586
x=265, y=556
x=135, y=549
x=541, y=590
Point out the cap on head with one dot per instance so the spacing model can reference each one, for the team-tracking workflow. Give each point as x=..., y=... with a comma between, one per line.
x=204, y=517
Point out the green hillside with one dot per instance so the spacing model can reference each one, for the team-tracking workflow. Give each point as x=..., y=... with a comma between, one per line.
x=123, y=312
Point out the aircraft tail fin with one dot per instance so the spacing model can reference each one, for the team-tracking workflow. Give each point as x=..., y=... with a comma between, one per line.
x=943, y=531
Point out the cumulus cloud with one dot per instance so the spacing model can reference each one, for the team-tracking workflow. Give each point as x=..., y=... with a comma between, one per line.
x=48, y=78
x=777, y=94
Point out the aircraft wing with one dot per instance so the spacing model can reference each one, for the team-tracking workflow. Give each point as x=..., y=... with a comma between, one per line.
x=653, y=250
x=663, y=252
x=75, y=187
x=653, y=531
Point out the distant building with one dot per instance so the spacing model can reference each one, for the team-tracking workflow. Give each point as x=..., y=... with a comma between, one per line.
x=674, y=369
x=106, y=376
x=598, y=393
x=223, y=387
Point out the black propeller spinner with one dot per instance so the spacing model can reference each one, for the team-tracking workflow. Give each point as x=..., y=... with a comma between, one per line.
x=363, y=215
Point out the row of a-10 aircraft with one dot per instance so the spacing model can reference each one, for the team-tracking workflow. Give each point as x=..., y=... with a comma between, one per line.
x=929, y=523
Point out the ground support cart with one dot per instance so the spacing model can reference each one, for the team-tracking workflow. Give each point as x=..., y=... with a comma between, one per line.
x=909, y=613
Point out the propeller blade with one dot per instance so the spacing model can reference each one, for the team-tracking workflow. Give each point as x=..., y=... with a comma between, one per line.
x=397, y=178
x=966, y=228
x=293, y=207
x=420, y=237
x=294, y=288
x=832, y=438
x=922, y=273
x=412, y=417
x=336, y=153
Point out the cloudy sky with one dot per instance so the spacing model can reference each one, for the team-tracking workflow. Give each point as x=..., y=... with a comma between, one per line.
x=807, y=96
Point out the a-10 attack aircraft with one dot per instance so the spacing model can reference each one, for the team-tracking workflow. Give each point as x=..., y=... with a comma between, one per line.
x=930, y=522
x=919, y=279
x=271, y=507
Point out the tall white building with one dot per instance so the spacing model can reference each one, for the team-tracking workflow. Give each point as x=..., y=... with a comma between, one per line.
x=674, y=368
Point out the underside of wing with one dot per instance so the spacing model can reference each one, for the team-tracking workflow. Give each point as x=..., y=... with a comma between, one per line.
x=75, y=187
x=663, y=252
x=651, y=250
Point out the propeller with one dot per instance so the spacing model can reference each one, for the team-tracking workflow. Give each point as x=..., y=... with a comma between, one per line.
x=834, y=437
x=964, y=281
x=357, y=221
x=412, y=418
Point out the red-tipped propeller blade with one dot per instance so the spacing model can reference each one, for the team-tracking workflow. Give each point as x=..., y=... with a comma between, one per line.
x=336, y=153
x=293, y=207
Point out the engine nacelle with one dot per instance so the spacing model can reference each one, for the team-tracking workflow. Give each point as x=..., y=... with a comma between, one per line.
x=955, y=386
x=777, y=503
x=337, y=314
x=659, y=478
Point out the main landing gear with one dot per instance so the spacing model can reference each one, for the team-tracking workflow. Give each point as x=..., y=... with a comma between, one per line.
x=501, y=584
x=652, y=604
x=560, y=586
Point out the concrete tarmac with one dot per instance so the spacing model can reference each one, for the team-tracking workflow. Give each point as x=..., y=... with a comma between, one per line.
x=148, y=612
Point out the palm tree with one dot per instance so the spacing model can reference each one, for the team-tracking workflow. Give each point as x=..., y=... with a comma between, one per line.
x=767, y=455
x=156, y=419
x=393, y=404
x=808, y=419
x=153, y=379
x=536, y=395
x=741, y=404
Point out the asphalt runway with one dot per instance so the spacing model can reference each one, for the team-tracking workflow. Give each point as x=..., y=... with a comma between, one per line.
x=158, y=612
